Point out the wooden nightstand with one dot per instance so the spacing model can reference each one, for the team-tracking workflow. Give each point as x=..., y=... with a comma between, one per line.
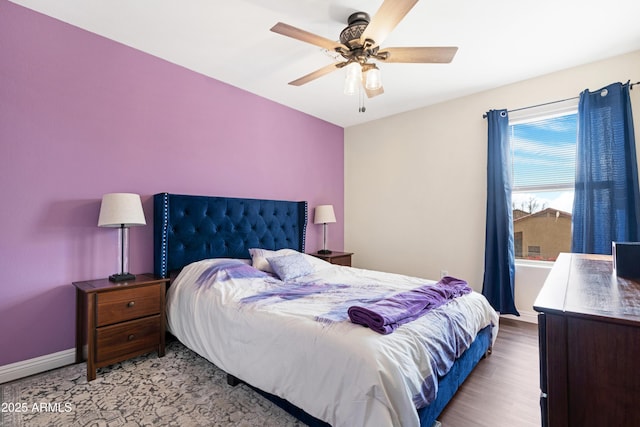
x=335, y=257
x=119, y=320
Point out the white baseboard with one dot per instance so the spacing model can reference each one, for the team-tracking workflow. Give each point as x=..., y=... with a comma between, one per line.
x=525, y=316
x=14, y=371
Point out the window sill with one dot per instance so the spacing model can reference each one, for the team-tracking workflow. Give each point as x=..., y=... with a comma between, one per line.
x=532, y=263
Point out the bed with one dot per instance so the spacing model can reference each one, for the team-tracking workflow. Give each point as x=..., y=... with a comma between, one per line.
x=248, y=299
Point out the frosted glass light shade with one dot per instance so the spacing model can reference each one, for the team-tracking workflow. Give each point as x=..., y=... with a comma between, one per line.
x=351, y=86
x=324, y=214
x=374, y=79
x=353, y=78
x=121, y=209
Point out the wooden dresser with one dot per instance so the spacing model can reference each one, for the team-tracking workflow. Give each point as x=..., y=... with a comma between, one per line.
x=119, y=320
x=589, y=330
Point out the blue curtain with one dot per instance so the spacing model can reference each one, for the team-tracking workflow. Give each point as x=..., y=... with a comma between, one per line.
x=499, y=255
x=606, y=206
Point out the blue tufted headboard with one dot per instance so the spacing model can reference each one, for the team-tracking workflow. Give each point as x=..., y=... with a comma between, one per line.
x=191, y=228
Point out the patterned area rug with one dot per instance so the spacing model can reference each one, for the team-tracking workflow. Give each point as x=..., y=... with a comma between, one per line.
x=179, y=389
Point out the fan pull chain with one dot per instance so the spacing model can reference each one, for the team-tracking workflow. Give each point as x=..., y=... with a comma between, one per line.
x=361, y=107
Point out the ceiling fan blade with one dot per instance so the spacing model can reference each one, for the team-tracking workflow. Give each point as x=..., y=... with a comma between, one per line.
x=371, y=93
x=305, y=36
x=385, y=20
x=442, y=55
x=316, y=74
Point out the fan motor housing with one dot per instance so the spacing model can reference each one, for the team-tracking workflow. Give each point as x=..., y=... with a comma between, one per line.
x=357, y=23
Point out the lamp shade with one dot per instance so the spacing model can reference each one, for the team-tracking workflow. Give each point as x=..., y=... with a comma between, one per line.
x=324, y=214
x=121, y=209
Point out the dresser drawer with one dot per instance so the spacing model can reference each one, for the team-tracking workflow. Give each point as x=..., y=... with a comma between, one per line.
x=126, y=304
x=117, y=342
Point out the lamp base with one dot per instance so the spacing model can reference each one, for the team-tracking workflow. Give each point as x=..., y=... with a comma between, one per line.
x=124, y=277
x=324, y=251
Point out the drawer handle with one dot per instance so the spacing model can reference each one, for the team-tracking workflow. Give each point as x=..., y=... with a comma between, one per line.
x=131, y=304
x=130, y=337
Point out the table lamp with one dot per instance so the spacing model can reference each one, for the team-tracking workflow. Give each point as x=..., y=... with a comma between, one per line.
x=121, y=210
x=323, y=215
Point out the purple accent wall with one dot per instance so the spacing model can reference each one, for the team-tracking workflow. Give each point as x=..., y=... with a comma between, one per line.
x=80, y=116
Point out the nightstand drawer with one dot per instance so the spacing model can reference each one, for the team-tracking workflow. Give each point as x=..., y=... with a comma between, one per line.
x=116, y=342
x=335, y=257
x=127, y=304
x=341, y=260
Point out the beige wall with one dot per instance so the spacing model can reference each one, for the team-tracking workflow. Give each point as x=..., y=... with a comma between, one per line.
x=415, y=183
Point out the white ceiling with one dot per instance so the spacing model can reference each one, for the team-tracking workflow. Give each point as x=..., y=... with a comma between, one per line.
x=500, y=42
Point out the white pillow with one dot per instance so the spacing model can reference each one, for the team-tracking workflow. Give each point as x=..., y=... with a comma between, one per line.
x=317, y=263
x=259, y=257
x=290, y=267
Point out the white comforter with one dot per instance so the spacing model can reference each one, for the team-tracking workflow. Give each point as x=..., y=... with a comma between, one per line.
x=291, y=341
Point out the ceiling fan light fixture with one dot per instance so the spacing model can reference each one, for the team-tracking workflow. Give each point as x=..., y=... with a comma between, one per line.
x=350, y=86
x=354, y=70
x=373, y=79
x=353, y=78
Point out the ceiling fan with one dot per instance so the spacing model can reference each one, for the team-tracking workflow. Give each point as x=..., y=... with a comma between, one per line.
x=359, y=46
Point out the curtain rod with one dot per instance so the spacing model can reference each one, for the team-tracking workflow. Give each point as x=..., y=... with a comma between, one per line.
x=484, y=116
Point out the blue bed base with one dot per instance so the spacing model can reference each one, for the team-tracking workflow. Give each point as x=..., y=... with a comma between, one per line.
x=447, y=385
x=192, y=228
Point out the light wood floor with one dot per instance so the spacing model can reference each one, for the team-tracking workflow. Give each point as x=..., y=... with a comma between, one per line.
x=504, y=389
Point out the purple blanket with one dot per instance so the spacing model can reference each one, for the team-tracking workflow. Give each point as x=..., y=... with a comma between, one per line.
x=386, y=315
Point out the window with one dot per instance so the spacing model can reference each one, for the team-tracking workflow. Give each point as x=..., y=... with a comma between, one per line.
x=534, y=251
x=543, y=145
